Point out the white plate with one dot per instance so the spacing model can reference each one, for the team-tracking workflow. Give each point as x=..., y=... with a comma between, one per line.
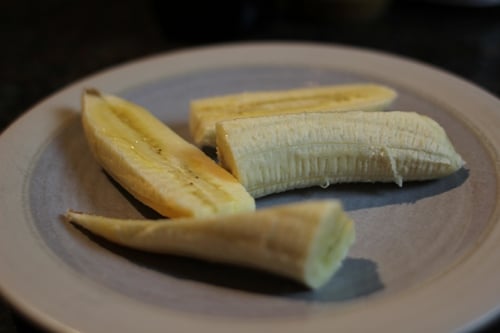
x=426, y=259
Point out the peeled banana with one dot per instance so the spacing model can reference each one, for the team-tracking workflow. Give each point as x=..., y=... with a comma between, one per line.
x=205, y=113
x=154, y=164
x=281, y=152
x=304, y=241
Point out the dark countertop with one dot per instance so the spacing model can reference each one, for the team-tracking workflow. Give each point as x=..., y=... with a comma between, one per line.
x=46, y=45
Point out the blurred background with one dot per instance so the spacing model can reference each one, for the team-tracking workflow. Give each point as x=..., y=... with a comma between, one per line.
x=47, y=45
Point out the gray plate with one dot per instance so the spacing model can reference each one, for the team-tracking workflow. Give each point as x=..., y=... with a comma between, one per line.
x=417, y=247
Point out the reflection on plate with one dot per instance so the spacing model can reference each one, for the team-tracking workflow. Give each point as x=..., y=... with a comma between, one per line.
x=418, y=248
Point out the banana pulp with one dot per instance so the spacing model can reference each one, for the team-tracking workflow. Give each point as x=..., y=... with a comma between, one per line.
x=282, y=152
x=306, y=241
x=154, y=164
x=205, y=113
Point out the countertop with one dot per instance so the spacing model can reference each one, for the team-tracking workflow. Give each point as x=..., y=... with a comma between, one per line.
x=47, y=45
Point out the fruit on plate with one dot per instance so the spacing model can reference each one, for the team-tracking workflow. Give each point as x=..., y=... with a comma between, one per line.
x=304, y=241
x=156, y=165
x=281, y=152
x=206, y=112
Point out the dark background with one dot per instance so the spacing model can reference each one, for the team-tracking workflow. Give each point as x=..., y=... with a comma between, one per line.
x=46, y=45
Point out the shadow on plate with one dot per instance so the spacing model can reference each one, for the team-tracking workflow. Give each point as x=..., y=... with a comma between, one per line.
x=356, y=278
x=356, y=196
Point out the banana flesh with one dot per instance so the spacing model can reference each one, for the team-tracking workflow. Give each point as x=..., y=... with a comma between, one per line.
x=282, y=152
x=306, y=241
x=205, y=113
x=154, y=164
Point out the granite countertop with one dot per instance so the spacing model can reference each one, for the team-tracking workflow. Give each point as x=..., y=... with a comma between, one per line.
x=49, y=44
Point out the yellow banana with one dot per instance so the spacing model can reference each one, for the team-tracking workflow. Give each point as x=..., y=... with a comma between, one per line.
x=305, y=241
x=154, y=164
x=277, y=153
x=205, y=113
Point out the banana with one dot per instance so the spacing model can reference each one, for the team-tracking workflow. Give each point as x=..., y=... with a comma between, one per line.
x=154, y=164
x=281, y=152
x=205, y=113
x=305, y=241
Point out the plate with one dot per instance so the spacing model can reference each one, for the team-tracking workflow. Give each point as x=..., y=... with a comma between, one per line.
x=426, y=258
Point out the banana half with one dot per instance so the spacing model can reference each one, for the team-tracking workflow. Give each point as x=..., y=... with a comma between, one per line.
x=156, y=165
x=205, y=113
x=282, y=152
x=306, y=241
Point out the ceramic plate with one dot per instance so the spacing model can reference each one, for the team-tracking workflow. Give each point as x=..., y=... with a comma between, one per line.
x=426, y=258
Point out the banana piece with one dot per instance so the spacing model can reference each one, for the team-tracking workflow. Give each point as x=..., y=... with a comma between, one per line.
x=304, y=241
x=205, y=113
x=156, y=165
x=282, y=152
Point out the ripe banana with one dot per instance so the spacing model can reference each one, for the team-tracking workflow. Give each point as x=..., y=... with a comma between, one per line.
x=205, y=113
x=304, y=241
x=281, y=152
x=156, y=165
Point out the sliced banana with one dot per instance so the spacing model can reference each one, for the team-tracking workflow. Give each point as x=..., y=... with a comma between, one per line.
x=156, y=165
x=205, y=113
x=282, y=152
x=306, y=241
